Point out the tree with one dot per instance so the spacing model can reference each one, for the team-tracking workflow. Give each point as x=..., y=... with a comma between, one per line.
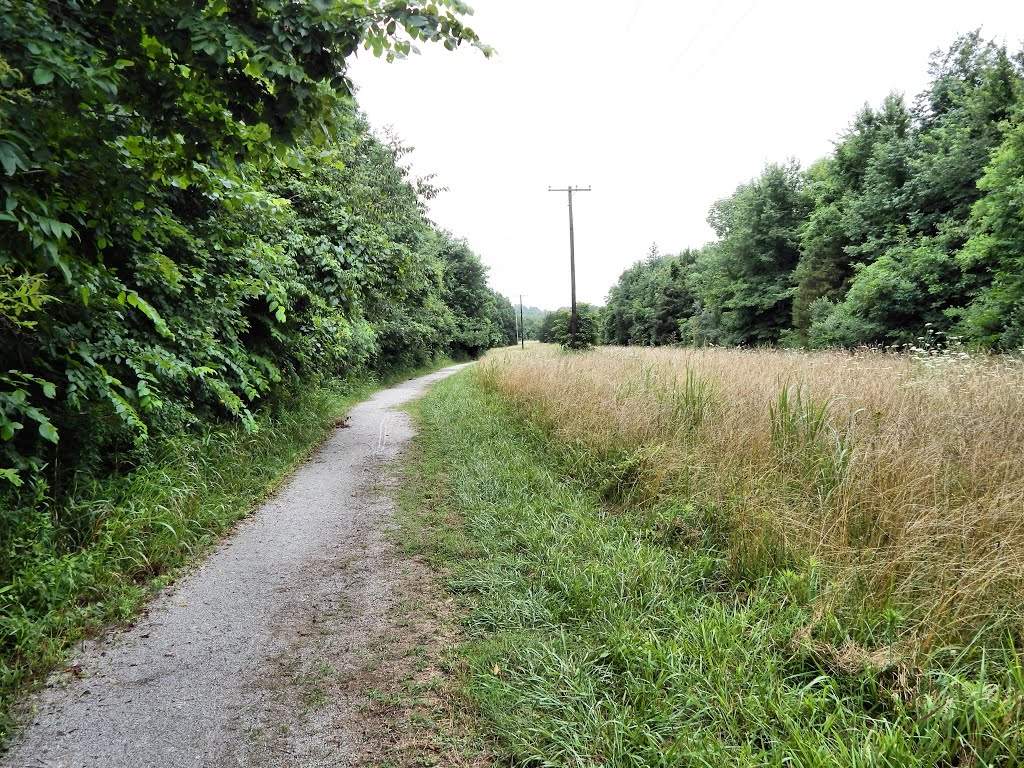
x=466, y=292
x=504, y=320
x=619, y=319
x=546, y=332
x=959, y=117
x=649, y=301
x=587, y=330
x=995, y=316
x=745, y=283
x=533, y=318
x=903, y=227
x=872, y=164
x=143, y=149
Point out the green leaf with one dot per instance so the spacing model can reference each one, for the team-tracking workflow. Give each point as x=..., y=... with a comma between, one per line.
x=149, y=311
x=7, y=159
x=42, y=76
x=48, y=432
x=260, y=132
x=11, y=476
x=12, y=158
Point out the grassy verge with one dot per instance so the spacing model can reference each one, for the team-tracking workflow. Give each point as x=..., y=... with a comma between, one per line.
x=140, y=530
x=430, y=718
x=621, y=635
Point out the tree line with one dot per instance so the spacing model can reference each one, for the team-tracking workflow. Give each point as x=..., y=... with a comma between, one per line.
x=195, y=219
x=912, y=227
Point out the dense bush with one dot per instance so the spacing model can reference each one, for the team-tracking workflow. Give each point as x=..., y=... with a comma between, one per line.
x=195, y=215
x=557, y=327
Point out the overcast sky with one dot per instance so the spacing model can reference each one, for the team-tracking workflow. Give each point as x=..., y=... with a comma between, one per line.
x=662, y=106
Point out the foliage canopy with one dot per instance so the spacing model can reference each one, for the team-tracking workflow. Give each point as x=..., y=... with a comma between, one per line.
x=910, y=229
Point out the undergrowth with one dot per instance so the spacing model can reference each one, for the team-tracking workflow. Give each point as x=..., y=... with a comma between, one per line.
x=132, y=533
x=607, y=629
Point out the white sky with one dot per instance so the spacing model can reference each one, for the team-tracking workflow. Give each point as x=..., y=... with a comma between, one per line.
x=663, y=106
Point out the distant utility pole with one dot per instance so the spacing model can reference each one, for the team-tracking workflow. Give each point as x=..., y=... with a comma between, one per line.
x=522, y=325
x=573, y=320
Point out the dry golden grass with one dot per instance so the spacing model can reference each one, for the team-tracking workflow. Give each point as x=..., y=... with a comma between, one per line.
x=900, y=476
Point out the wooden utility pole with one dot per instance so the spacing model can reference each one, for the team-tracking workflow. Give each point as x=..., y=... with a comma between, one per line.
x=522, y=325
x=573, y=320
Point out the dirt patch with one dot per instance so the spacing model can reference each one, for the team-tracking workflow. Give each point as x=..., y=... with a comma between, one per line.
x=390, y=688
x=416, y=714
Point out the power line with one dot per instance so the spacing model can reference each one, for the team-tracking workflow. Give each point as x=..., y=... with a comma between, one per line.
x=724, y=40
x=636, y=12
x=696, y=36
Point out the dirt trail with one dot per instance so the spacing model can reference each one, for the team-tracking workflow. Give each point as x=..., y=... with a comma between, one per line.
x=255, y=658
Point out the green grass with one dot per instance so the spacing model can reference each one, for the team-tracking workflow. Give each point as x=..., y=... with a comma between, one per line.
x=616, y=636
x=132, y=534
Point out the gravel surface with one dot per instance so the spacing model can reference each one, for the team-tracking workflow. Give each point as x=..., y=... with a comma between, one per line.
x=254, y=658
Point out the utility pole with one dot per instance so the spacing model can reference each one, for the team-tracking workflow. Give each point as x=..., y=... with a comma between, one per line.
x=522, y=325
x=573, y=320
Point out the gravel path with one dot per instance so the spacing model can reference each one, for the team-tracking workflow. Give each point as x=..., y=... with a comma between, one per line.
x=253, y=659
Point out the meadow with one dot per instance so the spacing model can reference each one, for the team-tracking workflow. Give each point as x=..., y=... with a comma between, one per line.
x=737, y=557
x=899, y=478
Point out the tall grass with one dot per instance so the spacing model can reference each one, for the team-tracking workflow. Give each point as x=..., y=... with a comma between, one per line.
x=899, y=477
x=620, y=634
